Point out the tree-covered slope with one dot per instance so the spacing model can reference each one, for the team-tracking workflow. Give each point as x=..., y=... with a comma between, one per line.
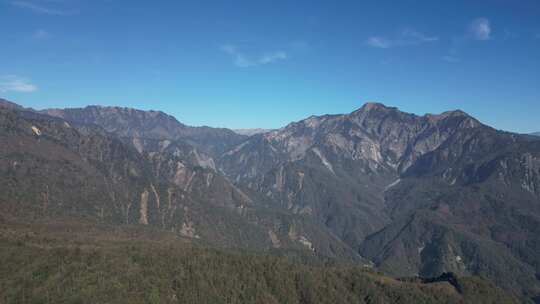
x=71, y=262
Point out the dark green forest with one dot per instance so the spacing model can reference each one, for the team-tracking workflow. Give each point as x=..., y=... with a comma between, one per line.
x=73, y=262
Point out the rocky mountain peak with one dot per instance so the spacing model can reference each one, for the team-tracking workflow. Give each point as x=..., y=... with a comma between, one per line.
x=124, y=121
x=457, y=119
x=149, y=125
x=151, y=114
x=373, y=107
x=368, y=106
x=453, y=113
x=372, y=114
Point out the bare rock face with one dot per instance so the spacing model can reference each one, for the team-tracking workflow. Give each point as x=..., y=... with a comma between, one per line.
x=382, y=138
x=336, y=167
x=144, y=208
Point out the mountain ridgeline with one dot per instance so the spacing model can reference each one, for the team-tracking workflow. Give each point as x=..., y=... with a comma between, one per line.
x=407, y=195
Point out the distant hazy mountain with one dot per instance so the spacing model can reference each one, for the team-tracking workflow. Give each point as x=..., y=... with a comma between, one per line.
x=250, y=132
x=139, y=125
x=410, y=195
x=536, y=133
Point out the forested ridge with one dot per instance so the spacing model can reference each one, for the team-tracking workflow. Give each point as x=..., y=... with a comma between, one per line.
x=68, y=262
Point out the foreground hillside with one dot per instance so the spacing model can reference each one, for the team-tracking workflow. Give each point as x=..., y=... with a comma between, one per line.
x=80, y=262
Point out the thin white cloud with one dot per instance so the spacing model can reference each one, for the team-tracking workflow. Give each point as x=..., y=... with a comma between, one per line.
x=239, y=58
x=272, y=57
x=41, y=8
x=480, y=29
x=244, y=61
x=415, y=36
x=379, y=42
x=404, y=38
x=12, y=83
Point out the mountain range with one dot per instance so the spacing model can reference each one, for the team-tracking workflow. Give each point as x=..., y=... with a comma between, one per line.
x=404, y=194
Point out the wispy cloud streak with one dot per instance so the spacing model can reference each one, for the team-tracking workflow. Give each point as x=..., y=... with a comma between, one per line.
x=242, y=60
x=405, y=37
x=12, y=83
x=40, y=8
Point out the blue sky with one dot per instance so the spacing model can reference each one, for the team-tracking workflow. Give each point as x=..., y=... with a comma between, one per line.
x=246, y=64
